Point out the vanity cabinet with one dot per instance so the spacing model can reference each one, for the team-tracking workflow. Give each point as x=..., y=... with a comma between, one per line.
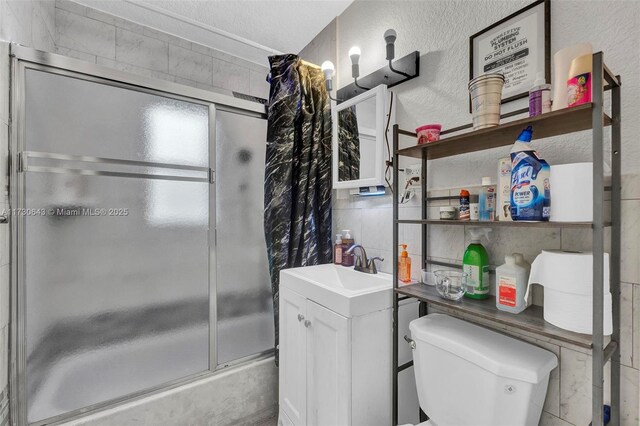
x=334, y=370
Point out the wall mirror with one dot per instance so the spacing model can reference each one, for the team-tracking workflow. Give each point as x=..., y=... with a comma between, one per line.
x=358, y=140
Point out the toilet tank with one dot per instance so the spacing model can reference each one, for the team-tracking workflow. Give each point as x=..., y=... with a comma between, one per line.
x=469, y=375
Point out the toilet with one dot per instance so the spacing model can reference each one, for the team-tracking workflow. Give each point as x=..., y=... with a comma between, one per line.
x=469, y=375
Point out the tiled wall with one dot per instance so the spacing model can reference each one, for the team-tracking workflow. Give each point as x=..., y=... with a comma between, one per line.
x=94, y=36
x=439, y=95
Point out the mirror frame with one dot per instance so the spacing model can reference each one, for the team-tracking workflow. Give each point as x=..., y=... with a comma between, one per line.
x=380, y=94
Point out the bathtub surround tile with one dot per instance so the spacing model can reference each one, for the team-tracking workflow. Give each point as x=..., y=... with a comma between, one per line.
x=636, y=327
x=231, y=76
x=5, y=295
x=4, y=99
x=237, y=396
x=85, y=34
x=142, y=51
x=42, y=30
x=71, y=6
x=76, y=54
x=121, y=66
x=188, y=64
x=14, y=26
x=258, y=85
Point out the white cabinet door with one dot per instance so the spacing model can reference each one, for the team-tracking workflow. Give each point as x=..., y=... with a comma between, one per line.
x=328, y=367
x=293, y=356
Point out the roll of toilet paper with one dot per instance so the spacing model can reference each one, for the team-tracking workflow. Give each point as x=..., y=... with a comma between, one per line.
x=567, y=271
x=567, y=278
x=572, y=192
x=561, y=63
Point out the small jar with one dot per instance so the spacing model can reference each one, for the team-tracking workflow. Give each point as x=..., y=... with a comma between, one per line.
x=448, y=213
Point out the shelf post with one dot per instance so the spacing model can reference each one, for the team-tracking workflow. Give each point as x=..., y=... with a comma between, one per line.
x=394, y=195
x=597, y=365
x=614, y=271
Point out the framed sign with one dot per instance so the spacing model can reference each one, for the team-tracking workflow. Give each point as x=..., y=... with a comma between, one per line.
x=518, y=47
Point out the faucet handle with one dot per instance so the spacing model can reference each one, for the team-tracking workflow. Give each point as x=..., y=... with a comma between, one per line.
x=372, y=264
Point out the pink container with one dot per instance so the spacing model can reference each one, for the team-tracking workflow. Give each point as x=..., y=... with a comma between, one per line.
x=428, y=133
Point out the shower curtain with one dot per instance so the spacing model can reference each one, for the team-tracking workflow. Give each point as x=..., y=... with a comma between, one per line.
x=348, y=145
x=297, y=183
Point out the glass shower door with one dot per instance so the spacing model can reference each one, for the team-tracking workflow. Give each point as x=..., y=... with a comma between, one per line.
x=115, y=273
x=244, y=306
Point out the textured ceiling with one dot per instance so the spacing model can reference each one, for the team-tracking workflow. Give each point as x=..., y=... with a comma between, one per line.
x=283, y=25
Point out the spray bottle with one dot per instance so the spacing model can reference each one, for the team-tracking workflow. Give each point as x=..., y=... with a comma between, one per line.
x=475, y=264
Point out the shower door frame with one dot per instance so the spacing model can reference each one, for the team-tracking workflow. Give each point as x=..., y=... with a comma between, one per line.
x=23, y=58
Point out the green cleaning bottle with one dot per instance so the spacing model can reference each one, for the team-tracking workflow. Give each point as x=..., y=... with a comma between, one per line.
x=475, y=264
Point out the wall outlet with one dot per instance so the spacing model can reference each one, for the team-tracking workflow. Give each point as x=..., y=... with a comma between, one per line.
x=413, y=172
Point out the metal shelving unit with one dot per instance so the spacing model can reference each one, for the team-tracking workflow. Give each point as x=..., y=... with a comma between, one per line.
x=588, y=116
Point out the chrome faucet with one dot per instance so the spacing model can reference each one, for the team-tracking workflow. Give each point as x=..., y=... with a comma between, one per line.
x=362, y=263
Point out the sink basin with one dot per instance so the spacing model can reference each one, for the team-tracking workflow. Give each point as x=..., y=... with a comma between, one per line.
x=340, y=289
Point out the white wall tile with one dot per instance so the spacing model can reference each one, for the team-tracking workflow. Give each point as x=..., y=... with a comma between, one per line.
x=377, y=228
x=575, y=386
x=84, y=34
x=258, y=84
x=348, y=219
x=142, y=51
x=447, y=241
x=626, y=323
x=629, y=396
x=188, y=64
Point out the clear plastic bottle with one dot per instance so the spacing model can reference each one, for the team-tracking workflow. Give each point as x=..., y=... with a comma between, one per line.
x=511, y=285
x=487, y=206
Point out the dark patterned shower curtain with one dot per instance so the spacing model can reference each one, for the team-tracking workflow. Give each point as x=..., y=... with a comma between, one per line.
x=297, y=183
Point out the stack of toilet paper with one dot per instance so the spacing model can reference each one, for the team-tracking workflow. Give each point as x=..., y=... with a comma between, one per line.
x=567, y=278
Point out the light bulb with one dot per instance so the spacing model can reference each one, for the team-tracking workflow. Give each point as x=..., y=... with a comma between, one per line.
x=354, y=54
x=328, y=69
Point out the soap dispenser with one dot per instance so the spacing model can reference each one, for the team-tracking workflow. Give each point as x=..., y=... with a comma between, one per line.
x=404, y=265
x=337, y=250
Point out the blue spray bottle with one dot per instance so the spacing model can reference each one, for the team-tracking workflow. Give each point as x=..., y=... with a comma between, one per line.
x=530, y=190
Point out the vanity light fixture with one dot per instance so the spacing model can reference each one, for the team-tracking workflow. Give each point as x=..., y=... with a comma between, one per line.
x=354, y=54
x=394, y=73
x=329, y=71
x=390, y=38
